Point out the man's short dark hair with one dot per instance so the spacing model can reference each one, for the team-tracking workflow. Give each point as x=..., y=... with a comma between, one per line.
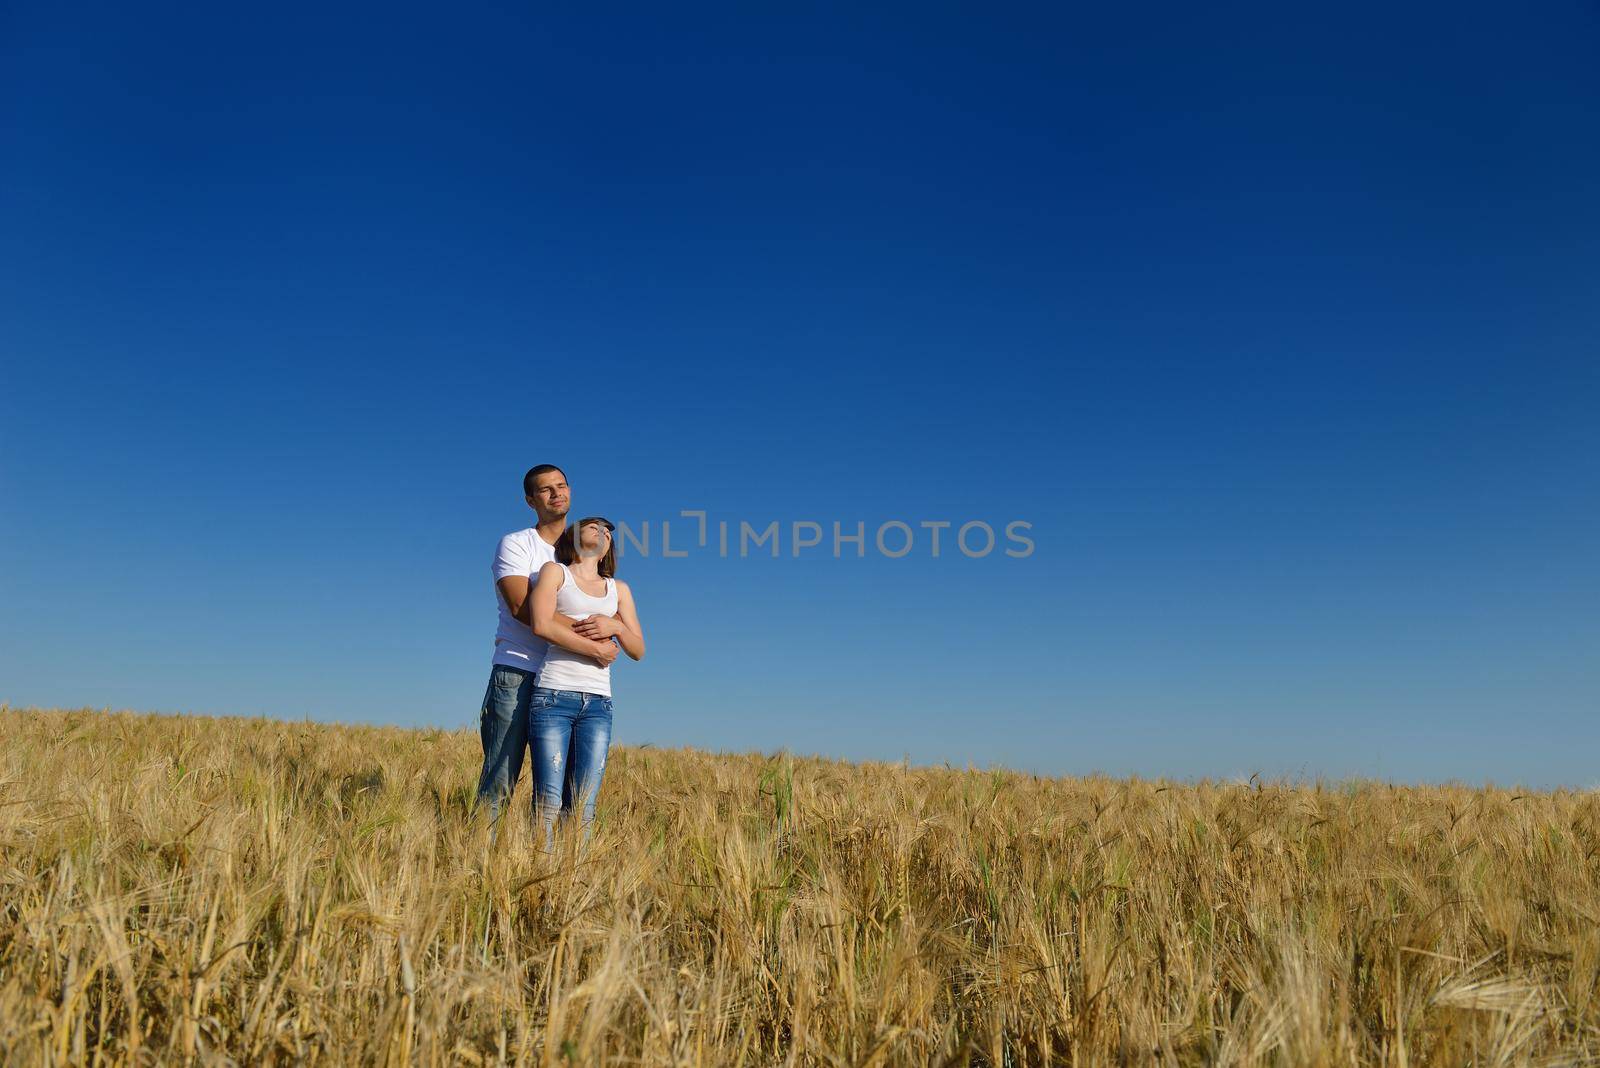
x=529, y=480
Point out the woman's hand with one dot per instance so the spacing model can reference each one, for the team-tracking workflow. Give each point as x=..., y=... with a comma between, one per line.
x=598, y=628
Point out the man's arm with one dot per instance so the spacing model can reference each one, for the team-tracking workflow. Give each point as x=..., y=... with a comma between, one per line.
x=514, y=591
x=512, y=565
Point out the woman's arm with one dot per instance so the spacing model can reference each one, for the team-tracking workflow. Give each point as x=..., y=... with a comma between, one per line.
x=543, y=620
x=629, y=634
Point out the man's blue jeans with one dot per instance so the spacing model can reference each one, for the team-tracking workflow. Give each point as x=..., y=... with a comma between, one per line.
x=570, y=733
x=503, y=727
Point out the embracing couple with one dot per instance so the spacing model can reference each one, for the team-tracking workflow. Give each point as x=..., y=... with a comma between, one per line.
x=563, y=615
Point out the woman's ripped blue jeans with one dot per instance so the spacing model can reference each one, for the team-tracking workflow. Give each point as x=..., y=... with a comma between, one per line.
x=569, y=734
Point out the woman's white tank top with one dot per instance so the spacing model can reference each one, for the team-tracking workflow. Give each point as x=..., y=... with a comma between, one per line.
x=564, y=669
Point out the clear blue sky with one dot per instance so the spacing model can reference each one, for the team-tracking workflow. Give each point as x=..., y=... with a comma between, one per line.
x=1279, y=326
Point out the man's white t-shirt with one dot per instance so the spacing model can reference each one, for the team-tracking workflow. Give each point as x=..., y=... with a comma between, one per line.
x=522, y=552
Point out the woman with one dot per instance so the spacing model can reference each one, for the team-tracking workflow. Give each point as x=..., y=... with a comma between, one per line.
x=569, y=727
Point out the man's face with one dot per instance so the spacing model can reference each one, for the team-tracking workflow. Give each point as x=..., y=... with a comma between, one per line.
x=551, y=498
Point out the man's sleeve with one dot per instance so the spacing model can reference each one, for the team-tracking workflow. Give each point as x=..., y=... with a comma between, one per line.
x=512, y=558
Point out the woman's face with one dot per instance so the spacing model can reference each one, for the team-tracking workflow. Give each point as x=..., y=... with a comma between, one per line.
x=594, y=539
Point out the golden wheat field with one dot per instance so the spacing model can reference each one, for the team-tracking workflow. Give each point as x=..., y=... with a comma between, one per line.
x=251, y=891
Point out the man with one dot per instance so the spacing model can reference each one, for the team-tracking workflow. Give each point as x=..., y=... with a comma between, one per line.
x=518, y=652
